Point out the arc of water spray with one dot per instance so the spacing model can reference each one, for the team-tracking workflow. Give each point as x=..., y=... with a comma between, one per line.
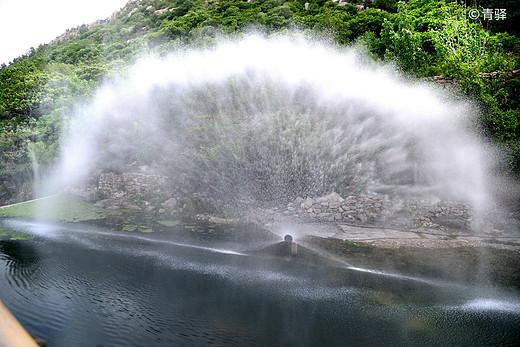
x=363, y=128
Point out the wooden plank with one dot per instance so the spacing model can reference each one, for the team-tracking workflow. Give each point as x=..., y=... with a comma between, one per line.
x=12, y=334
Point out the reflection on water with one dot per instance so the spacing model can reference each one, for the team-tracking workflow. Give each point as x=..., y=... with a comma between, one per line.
x=99, y=287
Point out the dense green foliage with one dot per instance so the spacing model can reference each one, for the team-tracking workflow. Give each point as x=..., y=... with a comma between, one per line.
x=422, y=37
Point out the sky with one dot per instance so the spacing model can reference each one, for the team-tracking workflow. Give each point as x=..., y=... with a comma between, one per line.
x=29, y=23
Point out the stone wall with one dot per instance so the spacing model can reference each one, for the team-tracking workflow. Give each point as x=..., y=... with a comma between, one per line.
x=128, y=184
x=135, y=191
x=333, y=207
x=10, y=193
x=376, y=210
x=155, y=193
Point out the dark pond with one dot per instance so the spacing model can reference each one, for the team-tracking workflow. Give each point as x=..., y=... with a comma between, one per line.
x=84, y=286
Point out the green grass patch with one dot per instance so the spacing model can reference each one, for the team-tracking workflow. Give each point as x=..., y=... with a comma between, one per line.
x=139, y=228
x=356, y=244
x=169, y=223
x=12, y=235
x=194, y=228
x=67, y=208
x=129, y=227
x=21, y=237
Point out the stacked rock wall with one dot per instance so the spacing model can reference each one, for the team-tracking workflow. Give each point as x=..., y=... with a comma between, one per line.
x=154, y=193
x=131, y=190
x=127, y=184
x=374, y=209
x=333, y=207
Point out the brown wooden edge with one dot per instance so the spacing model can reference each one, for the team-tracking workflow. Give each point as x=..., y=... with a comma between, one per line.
x=12, y=333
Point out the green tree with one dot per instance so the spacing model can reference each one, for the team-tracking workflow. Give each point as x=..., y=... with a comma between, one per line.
x=20, y=90
x=465, y=49
x=403, y=42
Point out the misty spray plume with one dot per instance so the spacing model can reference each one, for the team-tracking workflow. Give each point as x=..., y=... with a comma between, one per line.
x=270, y=119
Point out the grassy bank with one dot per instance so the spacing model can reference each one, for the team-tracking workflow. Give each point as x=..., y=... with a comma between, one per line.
x=65, y=208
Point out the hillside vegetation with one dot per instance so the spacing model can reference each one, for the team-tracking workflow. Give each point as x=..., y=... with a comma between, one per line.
x=423, y=38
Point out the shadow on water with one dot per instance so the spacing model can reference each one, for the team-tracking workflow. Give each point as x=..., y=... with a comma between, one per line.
x=88, y=285
x=22, y=263
x=19, y=253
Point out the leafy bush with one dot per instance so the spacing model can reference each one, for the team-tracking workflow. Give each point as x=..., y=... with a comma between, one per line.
x=404, y=43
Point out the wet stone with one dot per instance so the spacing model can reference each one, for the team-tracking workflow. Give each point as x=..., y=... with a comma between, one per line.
x=362, y=217
x=334, y=204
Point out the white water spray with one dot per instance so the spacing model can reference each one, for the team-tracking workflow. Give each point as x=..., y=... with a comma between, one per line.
x=36, y=171
x=275, y=118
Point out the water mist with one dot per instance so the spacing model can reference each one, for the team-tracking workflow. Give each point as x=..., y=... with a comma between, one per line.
x=270, y=119
x=247, y=123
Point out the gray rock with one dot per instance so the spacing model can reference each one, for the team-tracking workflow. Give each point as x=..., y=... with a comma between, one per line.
x=101, y=203
x=334, y=197
x=452, y=222
x=169, y=204
x=307, y=203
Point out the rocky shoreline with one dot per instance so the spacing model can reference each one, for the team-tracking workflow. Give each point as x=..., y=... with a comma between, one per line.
x=446, y=238
x=375, y=219
x=154, y=193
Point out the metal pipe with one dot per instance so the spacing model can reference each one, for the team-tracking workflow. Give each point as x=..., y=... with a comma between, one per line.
x=291, y=246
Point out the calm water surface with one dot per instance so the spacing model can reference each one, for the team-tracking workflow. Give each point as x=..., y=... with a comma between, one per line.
x=85, y=286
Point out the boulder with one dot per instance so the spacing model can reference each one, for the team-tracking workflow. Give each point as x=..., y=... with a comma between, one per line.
x=362, y=217
x=169, y=204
